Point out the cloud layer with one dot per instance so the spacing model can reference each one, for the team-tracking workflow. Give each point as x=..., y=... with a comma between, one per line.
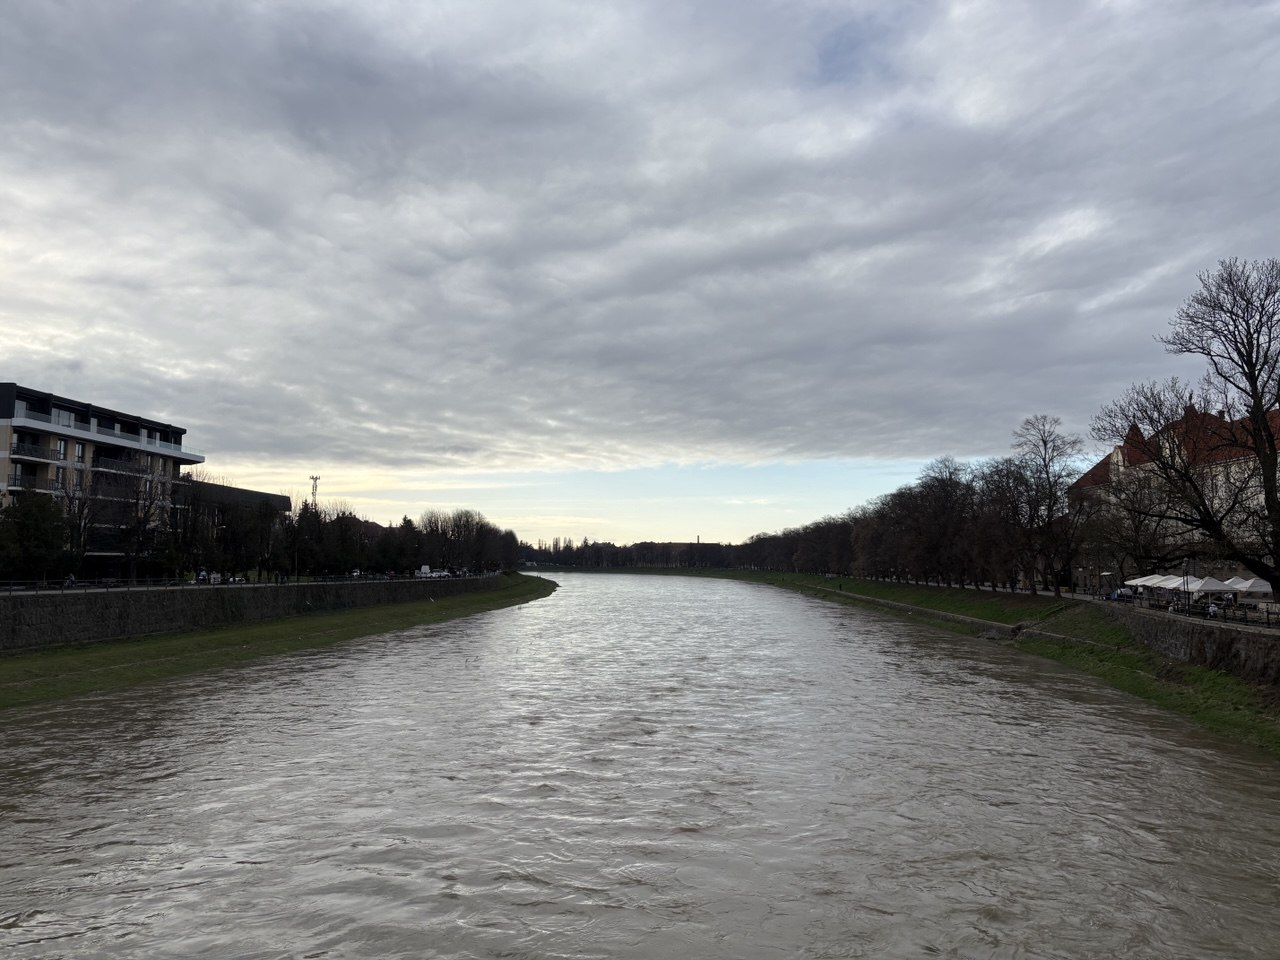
x=556, y=235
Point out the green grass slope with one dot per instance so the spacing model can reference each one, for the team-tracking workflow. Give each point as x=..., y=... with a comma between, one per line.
x=43, y=676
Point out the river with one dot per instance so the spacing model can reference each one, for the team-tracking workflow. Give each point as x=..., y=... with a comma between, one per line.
x=636, y=767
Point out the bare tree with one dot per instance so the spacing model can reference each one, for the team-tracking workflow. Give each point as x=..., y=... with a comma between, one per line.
x=135, y=497
x=999, y=545
x=1213, y=450
x=82, y=513
x=1051, y=523
x=1131, y=532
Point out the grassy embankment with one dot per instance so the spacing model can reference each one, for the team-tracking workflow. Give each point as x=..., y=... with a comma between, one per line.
x=1098, y=645
x=44, y=676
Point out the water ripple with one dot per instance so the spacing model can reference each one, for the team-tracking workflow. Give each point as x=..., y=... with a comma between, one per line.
x=635, y=767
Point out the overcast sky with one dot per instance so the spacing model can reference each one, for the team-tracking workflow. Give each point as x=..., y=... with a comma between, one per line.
x=629, y=270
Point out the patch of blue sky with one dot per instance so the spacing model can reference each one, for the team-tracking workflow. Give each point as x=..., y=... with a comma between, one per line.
x=854, y=51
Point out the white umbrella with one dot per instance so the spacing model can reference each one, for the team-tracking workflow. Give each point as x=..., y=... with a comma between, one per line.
x=1251, y=586
x=1208, y=585
x=1150, y=580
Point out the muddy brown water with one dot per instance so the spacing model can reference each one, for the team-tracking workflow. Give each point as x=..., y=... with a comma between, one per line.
x=636, y=767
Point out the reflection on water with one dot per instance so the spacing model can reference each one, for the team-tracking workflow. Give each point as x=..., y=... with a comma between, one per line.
x=635, y=767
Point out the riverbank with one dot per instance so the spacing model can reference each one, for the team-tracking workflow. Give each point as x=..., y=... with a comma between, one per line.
x=1074, y=632
x=40, y=677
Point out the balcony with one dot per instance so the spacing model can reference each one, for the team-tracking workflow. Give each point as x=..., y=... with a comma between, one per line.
x=43, y=423
x=32, y=483
x=41, y=417
x=116, y=466
x=148, y=443
x=35, y=451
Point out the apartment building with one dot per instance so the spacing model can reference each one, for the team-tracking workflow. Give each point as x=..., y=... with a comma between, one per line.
x=116, y=470
x=50, y=443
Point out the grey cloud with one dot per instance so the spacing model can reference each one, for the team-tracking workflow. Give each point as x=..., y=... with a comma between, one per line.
x=596, y=235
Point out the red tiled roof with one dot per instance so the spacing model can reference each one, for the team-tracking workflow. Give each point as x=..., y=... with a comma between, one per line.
x=1099, y=475
x=1206, y=437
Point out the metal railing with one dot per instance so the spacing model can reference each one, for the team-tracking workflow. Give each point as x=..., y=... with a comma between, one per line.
x=35, y=451
x=119, y=466
x=141, y=441
x=111, y=434
x=33, y=483
x=1241, y=612
x=54, y=585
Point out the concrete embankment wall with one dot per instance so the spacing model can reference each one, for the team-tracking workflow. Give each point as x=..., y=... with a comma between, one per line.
x=45, y=621
x=1249, y=653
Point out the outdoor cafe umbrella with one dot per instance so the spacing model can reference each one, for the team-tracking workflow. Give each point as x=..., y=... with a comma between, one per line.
x=1255, y=585
x=1150, y=580
x=1208, y=585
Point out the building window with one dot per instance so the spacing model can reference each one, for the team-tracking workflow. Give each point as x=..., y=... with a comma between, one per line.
x=60, y=476
x=79, y=453
x=62, y=449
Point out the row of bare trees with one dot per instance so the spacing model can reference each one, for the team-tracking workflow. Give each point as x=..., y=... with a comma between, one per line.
x=1194, y=481
x=602, y=554
x=331, y=540
x=1004, y=521
x=1001, y=521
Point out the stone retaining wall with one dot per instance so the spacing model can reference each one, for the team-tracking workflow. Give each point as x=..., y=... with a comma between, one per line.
x=1245, y=652
x=45, y=621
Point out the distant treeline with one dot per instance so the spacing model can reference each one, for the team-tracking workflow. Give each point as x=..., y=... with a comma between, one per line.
x=1001, y=521
x=328, y=542
x=247, y=537
x=601, y=554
